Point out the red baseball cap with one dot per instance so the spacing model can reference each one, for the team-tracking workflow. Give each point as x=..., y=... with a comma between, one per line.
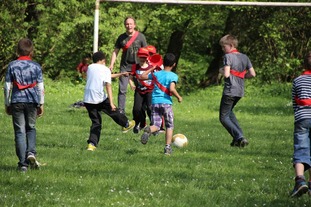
x=143, y=52
x=152, y=50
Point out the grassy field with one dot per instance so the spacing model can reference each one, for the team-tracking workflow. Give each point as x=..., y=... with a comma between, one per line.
x=123, y=172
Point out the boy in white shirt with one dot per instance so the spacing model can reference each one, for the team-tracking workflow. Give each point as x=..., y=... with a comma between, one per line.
x=97, y=101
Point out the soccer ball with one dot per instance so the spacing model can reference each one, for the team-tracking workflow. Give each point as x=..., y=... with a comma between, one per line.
x=180, y=140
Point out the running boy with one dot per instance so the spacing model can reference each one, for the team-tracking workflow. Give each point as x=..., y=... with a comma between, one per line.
x=24, y=102
x=237, y=66
x=164, y=81
x=97, y=101
x=301, y=95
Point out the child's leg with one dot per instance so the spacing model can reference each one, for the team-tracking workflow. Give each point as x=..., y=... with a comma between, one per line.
x=138, y=108
x=301, y=156
x=96, y=126
x=30, y=118
x=117, y=116
x=19, y=123
x=227, y=117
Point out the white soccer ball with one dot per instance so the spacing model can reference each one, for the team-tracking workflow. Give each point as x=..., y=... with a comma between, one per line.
x=179, y=140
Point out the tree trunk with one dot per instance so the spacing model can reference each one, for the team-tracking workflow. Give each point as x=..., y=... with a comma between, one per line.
x=176, y=42
x=212, y=76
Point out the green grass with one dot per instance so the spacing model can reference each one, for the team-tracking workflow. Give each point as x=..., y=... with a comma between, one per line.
x=123, y=172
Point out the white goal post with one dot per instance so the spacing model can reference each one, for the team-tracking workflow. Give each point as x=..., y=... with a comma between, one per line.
x=223, y=3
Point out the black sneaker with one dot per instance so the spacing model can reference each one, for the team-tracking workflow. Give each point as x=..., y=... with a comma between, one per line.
x=300, y=188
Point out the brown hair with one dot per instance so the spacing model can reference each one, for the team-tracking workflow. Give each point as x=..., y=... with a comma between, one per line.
x=129, y=17
x=25, y=47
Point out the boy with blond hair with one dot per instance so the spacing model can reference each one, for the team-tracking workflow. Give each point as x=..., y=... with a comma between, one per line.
x=236, y=67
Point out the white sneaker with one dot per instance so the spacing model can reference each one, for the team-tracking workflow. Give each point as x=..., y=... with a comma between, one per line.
x=34, y=164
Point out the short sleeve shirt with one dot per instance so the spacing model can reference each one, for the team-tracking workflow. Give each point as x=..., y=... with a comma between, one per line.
x=129, y=56
x=98, y=75
x=165, y=78
x=234, y=86
x=24, y=72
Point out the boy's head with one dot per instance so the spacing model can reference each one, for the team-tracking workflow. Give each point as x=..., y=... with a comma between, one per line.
x=98, y=56
x=25, y=47
x=142, y=54
x=169, y=60
x=307, y=61
x=229, y=40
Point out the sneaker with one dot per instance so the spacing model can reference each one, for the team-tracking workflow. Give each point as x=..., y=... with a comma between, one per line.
x=22, y=169
x=242, y=142
x=136, y=129
x=34, y=164
x=145, y=137
x=168, y=150
x=91, y=147
x=131, y=125
x=300, y=188
x=309, y=190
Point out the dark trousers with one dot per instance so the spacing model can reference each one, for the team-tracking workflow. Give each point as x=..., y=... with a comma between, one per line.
x=95, y=111
x=142, y=103
x=227, y=117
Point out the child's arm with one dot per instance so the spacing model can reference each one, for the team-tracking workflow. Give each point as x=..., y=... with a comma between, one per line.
x=144, y=75
x=174, y=92
x=109, y=92
x=251, y=73
x=116, y=75
x=40, y=110
x=7, y=90
x=226, y=71
x=131, y=83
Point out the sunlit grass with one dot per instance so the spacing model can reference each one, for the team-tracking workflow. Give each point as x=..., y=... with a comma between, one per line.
x=123, y=172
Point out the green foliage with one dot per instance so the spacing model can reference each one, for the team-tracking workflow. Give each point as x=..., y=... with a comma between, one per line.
x=123, y=172
x=63, y=33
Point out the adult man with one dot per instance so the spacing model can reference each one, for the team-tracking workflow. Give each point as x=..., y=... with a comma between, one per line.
x=129, y=42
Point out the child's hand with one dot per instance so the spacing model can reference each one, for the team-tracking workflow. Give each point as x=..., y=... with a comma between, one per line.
x=113, y=107
x=179, y=99
x=126, y=74
x=8, y=110
x=40, y=111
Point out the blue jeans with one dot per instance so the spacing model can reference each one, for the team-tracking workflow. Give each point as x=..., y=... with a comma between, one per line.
x=227, y=117
x=24, y=121
x=302, y=146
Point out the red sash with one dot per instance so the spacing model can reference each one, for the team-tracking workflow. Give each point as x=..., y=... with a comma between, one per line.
x=237, y=73
x=142, y=82
x=306, y=72
x=24, y=58
x=303, y=102
x=161, y=87
x=306, y=101
x=22, y=87
x=19, y=86
x=128, y=44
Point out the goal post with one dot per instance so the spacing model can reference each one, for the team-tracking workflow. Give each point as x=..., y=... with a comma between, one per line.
x=216, y=3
